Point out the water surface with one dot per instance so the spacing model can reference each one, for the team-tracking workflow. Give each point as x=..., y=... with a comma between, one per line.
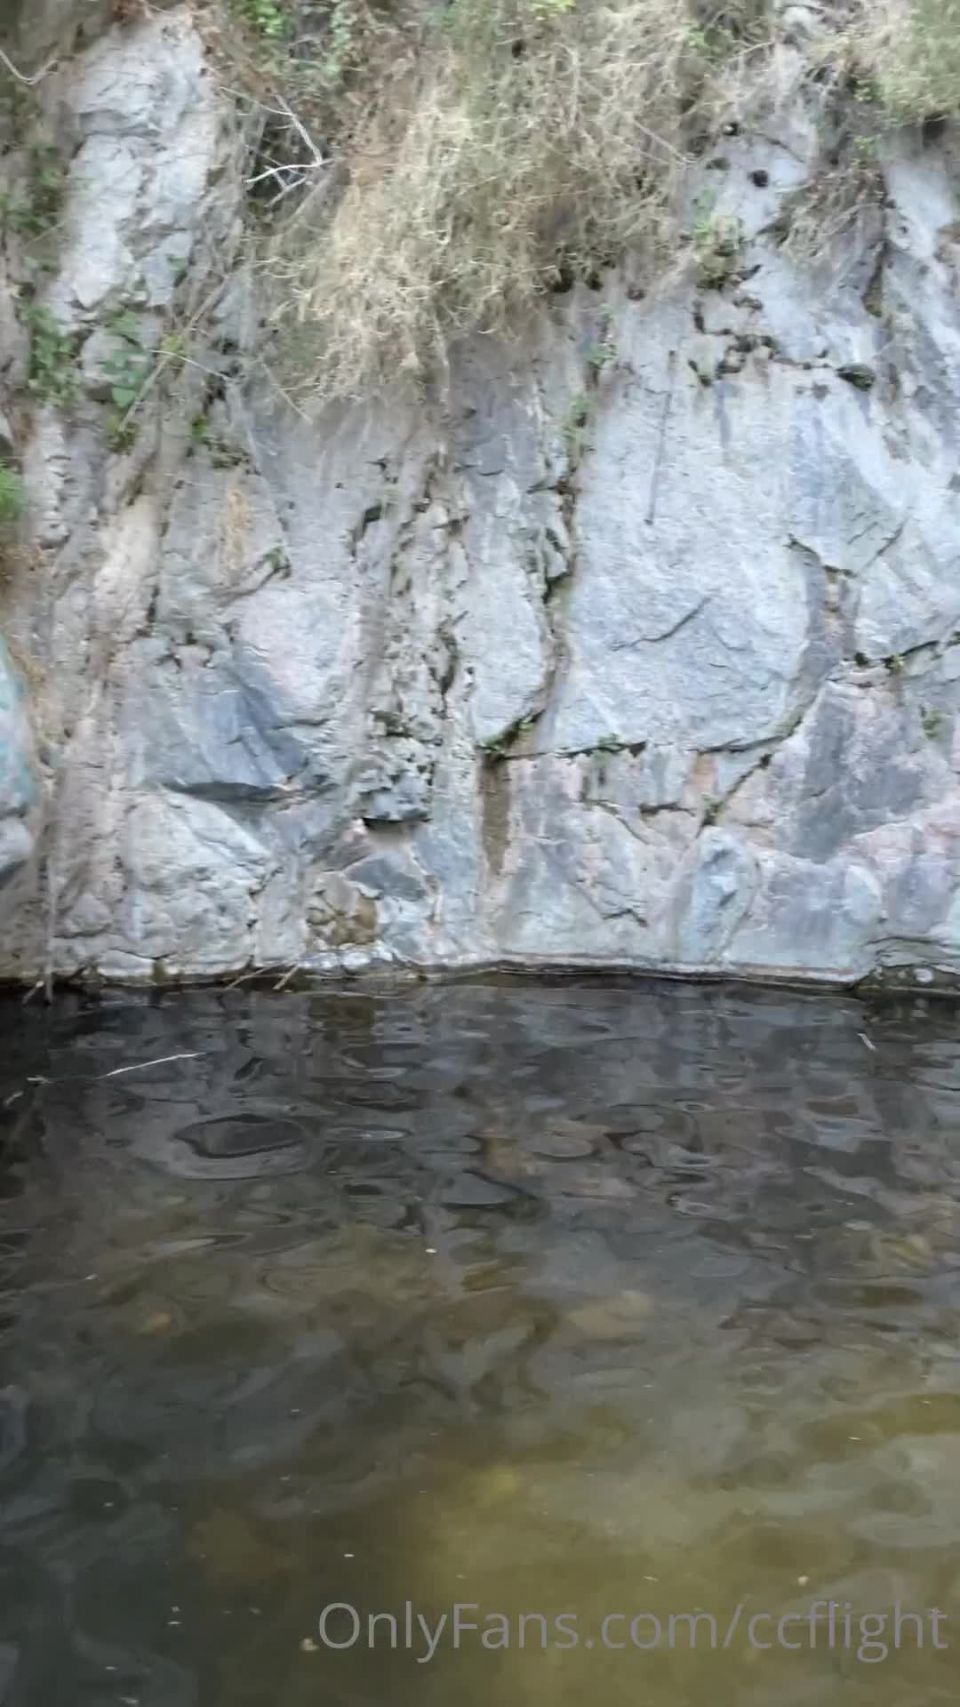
x=573, y=1300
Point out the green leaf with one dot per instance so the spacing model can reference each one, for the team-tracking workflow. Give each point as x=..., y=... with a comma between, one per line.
x=126, y=326
x=123, y=395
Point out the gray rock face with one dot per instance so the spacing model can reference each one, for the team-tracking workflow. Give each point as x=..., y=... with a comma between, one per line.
x=18, y=783
x=451, y=686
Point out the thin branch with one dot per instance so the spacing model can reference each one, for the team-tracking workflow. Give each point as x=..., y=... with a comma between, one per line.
x=290, y=178
x=21, y=77
x=114, y=1073
x=140, y=1066
x=278, y=388
x=51, y=922
x=185, y=361
x=244, y=977
x=170, y=355
x=302, y=132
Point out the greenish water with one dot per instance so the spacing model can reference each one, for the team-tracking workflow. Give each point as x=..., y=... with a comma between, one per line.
x=588, y=1302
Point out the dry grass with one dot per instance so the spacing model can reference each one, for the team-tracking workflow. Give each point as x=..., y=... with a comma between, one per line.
x=911, y=50
x=429, y=171
x=885, y=63
x=525, y=141
x=836, y=204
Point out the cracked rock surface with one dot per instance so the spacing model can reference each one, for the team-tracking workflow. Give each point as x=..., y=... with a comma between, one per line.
x=451, y=685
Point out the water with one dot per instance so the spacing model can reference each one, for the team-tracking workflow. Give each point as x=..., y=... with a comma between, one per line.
x=574, y=1301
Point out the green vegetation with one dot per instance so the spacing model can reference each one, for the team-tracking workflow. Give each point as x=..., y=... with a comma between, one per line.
x=222, y=454
x=601, y=354
x=33, y=207
x=717, y=240
x=200, y=431
x=265, y=17
x=910, y=50
x=575, y=425
x=11, y=496
x=307, y=46
x=126, y=370
x=885, y=63
x=54, y=375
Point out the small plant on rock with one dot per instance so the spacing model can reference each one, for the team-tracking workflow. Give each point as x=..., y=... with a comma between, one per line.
x=575, y=426
x=911, y=54
x=126, y=369
x=602, y=353
x=267, y=18
x=11, y=496
x=33, y=208
x=54, y=374
x=717, y=241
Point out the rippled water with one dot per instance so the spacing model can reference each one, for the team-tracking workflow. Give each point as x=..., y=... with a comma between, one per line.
x=572, y=1300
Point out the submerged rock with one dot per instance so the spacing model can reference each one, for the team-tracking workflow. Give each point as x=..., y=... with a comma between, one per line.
x=234, y=1146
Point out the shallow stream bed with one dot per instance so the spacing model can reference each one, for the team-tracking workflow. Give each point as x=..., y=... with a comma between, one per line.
x=634, y=1309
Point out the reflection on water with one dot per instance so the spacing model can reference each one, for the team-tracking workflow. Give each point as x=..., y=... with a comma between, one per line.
x=565, y=1300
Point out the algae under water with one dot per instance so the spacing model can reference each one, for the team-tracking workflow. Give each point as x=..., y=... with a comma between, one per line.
x=582, y=1302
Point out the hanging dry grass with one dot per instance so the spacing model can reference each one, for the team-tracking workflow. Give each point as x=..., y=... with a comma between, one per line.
x=911, y=50
x=436, y=168
x=533, y=138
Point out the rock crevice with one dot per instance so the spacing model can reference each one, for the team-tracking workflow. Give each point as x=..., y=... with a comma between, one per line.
x=646, y=660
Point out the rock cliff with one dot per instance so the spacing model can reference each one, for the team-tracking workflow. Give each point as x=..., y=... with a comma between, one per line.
x=637, y=647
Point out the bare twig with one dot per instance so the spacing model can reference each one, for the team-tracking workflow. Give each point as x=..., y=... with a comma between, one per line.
x=51, y=923
x=139, y=1066
x=279, y=389
x=185, y=361
x=115, y=1072
x=170, y=355
x=319, y=159
x=21, y=76
x=289, y=177
x=244, y=977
